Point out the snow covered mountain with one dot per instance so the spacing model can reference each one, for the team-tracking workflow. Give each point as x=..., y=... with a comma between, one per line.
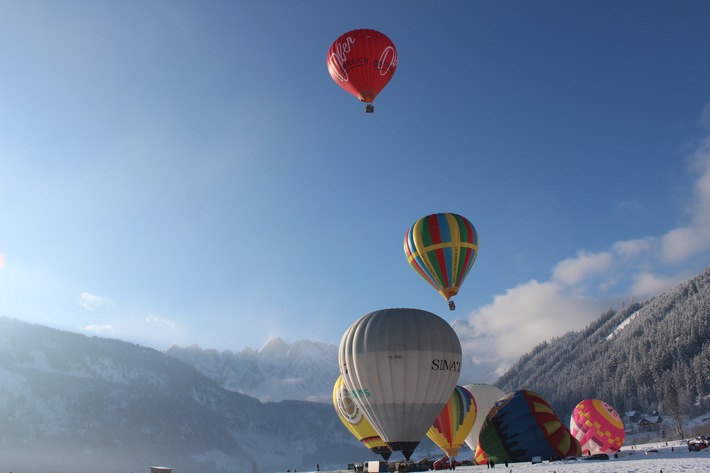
x=302, y=370
x=74, y=403
x=642, y=357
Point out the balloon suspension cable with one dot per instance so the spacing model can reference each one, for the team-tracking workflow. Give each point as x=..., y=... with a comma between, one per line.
x=452, y=306
x=369, y=108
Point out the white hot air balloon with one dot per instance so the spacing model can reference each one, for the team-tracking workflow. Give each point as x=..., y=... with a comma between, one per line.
x=486, y=396
x=401, y=366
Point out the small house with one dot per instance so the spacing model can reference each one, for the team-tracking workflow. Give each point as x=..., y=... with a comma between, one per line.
x=650, y=423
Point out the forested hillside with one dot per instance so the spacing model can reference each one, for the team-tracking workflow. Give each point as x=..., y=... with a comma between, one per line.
x=645, y=357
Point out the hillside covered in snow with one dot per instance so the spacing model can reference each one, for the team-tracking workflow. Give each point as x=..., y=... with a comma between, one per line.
x=648, y=356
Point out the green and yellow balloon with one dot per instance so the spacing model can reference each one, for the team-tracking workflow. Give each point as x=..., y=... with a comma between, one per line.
x=442, y=248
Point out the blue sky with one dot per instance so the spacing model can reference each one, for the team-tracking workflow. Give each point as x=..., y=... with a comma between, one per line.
x=179, y=172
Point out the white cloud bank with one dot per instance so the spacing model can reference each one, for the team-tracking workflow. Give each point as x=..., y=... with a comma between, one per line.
x=580, y=287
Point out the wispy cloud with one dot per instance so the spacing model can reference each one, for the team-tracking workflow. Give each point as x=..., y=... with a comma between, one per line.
x=630, y=206
x=152, y=329
x=161, y=321
x=583, y=286
x=100, y=329
x=91, y=301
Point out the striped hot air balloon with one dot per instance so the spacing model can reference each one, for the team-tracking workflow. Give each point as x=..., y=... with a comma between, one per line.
x=442, y=248
x=455, y=421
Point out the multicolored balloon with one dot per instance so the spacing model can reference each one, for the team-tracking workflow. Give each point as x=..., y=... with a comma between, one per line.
x=597, y=427
x=486, y=396
x=454, y=423
x=522, y=425
x=401, y=366
x=442, y=249
x=352, y=417
x=362, y=62
x=479, y=456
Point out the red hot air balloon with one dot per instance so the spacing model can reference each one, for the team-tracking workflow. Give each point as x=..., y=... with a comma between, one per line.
x=362, y=62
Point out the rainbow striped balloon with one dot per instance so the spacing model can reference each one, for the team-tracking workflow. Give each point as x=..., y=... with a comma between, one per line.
x=442, y=248
x=453, y=425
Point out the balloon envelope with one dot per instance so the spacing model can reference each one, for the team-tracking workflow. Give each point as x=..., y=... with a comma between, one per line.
x=522, y=425
x=352, y=417
x=479, y=456
x=442, y=248
x=454, y=422
x=486, y=396
x=401, y=366
x=362, y=62
x=597, y=427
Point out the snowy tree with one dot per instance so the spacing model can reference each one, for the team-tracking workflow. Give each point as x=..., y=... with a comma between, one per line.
x=674, y=407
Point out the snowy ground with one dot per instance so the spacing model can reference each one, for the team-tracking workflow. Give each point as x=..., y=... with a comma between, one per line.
x=673, y=458
x=679, y=459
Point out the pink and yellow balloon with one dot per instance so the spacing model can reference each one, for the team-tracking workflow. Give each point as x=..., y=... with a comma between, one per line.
x=597, y=426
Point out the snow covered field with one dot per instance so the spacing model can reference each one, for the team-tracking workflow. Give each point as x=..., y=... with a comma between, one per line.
x=674, y=458
x=630, y=461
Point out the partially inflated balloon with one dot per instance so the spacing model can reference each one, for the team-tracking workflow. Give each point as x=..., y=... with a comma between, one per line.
x=352, y=417
x=362, y=62
x=522, y=425
x=401, y=366
x=480, y=456
x=597, y=427
x=442, y=248
x=486, y=396
x=454, y=422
